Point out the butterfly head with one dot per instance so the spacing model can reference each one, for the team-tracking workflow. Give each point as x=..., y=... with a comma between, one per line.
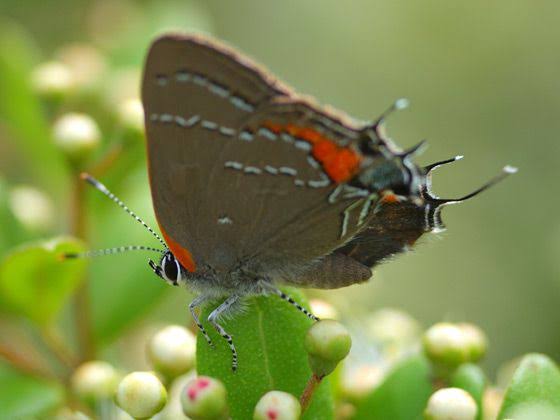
x=169, y=269
x=389, y=168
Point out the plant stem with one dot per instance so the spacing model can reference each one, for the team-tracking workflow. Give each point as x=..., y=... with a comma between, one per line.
x=57, y=347
x=23, y=365
x=107, y=161
x=307, y=394
x=82, y=308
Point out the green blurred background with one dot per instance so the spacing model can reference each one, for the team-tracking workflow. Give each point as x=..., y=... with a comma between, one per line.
x=483, y=81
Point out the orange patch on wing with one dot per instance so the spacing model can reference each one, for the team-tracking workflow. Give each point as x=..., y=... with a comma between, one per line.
x=182, y=254
x=340, y=163
x=390, y=198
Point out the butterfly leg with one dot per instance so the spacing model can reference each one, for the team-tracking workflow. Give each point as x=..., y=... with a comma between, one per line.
x=197, y=302
x=267, y=287
x=346, y=217
x=366, y=207
x=214, y=317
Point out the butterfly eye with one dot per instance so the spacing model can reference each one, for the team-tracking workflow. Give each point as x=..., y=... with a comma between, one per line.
x=171, y=268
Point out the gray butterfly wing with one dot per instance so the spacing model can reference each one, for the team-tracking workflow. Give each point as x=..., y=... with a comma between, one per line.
x=226, y=186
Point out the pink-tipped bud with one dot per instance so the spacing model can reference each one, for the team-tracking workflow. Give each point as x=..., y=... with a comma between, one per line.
x=204, y=398
x=277, y=405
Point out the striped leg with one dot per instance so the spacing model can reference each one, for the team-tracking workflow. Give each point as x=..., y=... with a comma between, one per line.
x=197, y=302
x=292, y=302
x=346, y=217
x=213, y=319
x=366, y=207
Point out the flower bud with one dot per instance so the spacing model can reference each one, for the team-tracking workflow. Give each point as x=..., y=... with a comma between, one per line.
x=358, y=382
x=76, y=135
x=131, y=115
x=204, y=398
x=66, y=413
x=172, y=351
x=327, y=342
x=141, y=394
x=85, y=63
x=94, y=381
x=32, y=208
x=451, y=404
x=477, y=342
x=392, y=327
x=446, y=344
x=277, y=405
x=52, y=79
x=323, y=309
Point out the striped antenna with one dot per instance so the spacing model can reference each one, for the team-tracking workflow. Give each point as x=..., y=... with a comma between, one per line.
x=399, y=104
x=103, y=189
x=111, y=251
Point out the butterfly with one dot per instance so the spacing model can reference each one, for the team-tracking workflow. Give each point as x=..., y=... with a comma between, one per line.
x=255, y=186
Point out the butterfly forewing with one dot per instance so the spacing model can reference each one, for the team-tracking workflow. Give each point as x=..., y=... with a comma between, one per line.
x=230, y=179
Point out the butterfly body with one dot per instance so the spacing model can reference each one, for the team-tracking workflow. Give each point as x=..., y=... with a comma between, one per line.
x=255, y=186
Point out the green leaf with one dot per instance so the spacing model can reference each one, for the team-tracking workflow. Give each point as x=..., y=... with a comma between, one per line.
x=35, y=282
x=268, y=336
x=25, y=397
x=471, y=378
x=20, y=109
x=535, y=387
x=403, y=395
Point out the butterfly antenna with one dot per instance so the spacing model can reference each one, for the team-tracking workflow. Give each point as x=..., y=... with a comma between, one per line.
x=434, y=204
x=110, y=251
x=435, y=165
x=378, y=127
x=506, y=171
x=399, y=104
x=103, y=189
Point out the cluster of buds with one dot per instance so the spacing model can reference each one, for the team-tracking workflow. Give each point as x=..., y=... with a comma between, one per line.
x=450, y=345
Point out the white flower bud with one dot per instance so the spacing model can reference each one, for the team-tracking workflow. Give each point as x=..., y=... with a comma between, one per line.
x=476, y=340
x=32, y=208
x=358, y=382
x=277, y=405
x=66, y=413
x=393, y=327
x=94, y=380
x=172, y=350
x=85, y=63
x=447, y=344
x=204, y=398
x=76, y=134
x=53, y=79
x=131, y=114
x=121, y=86
x=323, y=309
x=141, y=394
x=451, y=404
